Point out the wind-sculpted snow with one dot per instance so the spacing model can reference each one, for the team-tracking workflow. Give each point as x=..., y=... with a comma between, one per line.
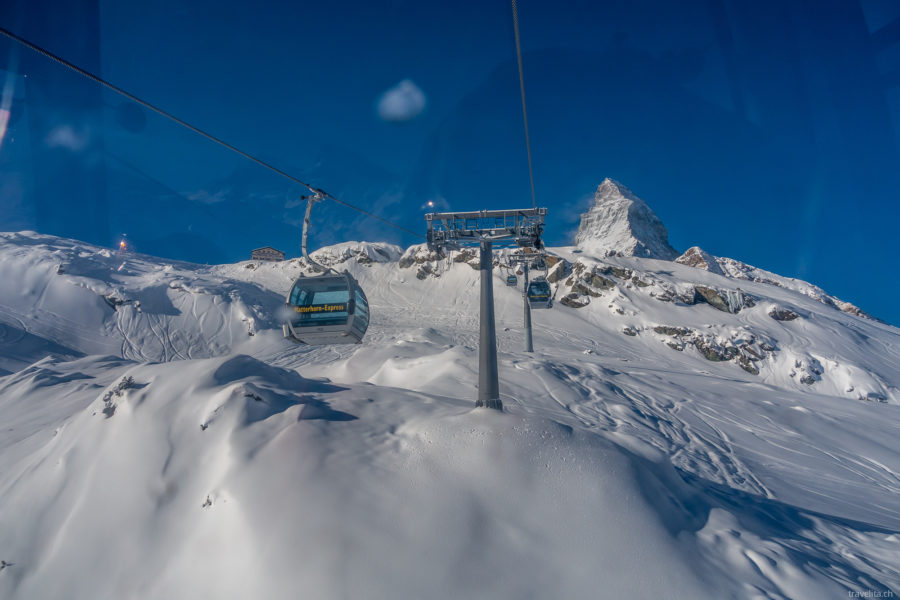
x=637, y=455
x=87, y=300
x=357, y=491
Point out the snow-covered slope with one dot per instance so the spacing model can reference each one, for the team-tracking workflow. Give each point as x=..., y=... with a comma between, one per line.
x=68, y=299
x=160, y=438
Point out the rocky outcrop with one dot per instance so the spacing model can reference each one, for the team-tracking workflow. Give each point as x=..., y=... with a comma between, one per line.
x=620, y=272
x=470, y=256
x=853, y=310
x=585, y=284
x=574, y=300
x=712, y=297
x=417, y=255
x=115, y=300
x=621, y=224
x=559, y=271
x=699, y=259
x=783, y=314
x=743, y=349
x=600, y=282
x=673, y=331
x=730, y=301
x=808, y=371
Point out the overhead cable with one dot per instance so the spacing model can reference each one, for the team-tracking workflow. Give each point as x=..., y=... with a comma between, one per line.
x=197, y=130
x=524, y=107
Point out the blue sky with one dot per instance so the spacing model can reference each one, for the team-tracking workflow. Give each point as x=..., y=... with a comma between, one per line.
x=764, y=131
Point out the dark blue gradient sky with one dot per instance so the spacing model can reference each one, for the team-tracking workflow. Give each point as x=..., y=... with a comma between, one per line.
x=762, y=131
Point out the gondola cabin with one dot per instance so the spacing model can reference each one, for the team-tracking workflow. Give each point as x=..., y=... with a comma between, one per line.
x=512, y=280
x=539, y=294
x=327, y=309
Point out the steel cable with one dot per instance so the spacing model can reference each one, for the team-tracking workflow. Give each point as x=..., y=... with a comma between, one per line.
x=197, y=130
x=524, y=107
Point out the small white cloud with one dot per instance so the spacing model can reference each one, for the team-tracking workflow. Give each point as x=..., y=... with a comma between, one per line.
x=403, y=102
x=65, y=136
x=206, y=198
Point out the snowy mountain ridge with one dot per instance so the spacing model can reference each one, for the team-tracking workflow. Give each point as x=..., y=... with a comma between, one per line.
x=165, y=310
x=735, y=269
x=157, y=400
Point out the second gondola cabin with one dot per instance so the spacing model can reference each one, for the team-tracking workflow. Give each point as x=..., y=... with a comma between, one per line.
x=539, y=294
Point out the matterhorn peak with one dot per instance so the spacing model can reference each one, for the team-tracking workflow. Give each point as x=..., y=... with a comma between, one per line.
x=620, y=223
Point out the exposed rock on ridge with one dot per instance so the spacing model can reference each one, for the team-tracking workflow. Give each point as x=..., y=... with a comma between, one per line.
x=735, y=269
x=697, y=257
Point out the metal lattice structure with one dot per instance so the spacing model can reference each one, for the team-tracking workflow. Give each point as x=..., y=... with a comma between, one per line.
x=518, y=228
x=522, y=228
